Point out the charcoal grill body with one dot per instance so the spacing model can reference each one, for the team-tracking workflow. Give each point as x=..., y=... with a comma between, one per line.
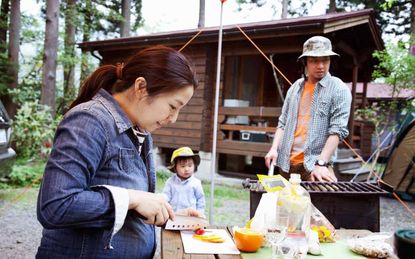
x=345, y=204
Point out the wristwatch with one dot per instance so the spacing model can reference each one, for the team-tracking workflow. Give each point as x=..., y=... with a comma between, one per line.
x=321, y=162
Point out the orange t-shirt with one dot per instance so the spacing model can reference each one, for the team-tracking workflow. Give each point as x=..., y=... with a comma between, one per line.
x=303, y=119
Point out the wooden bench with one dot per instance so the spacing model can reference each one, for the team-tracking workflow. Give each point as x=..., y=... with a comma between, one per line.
x=228, y=145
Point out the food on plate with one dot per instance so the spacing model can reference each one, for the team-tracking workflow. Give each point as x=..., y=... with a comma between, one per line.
x=248, y=240
x=199, y=231
x=212, y=238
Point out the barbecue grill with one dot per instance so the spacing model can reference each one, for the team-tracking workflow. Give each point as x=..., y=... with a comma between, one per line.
x=351, y=205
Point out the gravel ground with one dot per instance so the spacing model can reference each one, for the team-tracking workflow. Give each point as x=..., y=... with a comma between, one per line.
x=20, y=232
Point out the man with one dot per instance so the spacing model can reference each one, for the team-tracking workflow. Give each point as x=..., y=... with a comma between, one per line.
x=314, y=118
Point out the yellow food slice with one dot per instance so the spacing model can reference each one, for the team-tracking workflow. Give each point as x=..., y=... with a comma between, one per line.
x=213, y=238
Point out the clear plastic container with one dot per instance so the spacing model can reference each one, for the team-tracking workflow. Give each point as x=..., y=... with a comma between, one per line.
x=295, y=202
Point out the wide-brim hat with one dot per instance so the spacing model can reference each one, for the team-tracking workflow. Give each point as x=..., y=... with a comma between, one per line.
x=183, y=152
x=317, y=46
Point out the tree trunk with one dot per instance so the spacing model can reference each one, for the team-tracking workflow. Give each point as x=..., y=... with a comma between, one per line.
x=50, y=54
x=69, y=66
x=413, y=20
x=201, y=22
x=332, y=6
x=86, y=36
x=4, y=15
x=284, y=11
x=125, y=24
x=13, y=54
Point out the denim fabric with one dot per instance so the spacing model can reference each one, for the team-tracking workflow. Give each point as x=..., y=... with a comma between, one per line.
x=330, y=110
x=92, y=148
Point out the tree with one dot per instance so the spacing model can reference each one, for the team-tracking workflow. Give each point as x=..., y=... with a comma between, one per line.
x=4, y=15
x=125, y=22
x=102, y=17
x=288, y=10
x=13, y=53
x=50, y=54
x=4, y=63
x=69, y=59
x=86, y=29
x=397, y=68
x=201, y=22
x=394, y=17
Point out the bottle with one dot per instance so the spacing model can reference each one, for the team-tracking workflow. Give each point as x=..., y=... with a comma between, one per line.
x=294, y=201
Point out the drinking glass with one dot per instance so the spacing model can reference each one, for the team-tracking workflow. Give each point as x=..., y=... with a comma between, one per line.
x=276, y=233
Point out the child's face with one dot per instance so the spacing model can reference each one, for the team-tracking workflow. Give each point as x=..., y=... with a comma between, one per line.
x=185, y=168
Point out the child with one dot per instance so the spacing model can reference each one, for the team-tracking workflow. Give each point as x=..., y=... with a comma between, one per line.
x=183, y=190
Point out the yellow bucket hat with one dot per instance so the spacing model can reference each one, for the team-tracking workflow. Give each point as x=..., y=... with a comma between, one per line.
x=183, y=152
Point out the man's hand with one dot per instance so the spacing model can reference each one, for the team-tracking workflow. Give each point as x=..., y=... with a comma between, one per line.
x=321, y=174
x=271, y=157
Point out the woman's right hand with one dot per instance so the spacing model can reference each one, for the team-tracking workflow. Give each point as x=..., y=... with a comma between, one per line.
x=271, y=156
x=152, y=206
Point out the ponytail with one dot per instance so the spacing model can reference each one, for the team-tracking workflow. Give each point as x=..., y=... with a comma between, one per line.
x=104, y=77
x=164, y=69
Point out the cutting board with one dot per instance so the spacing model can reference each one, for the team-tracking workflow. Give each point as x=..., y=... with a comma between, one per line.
x=196, y=246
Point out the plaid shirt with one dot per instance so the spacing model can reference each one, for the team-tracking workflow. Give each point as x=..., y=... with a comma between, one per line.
x=330, y=109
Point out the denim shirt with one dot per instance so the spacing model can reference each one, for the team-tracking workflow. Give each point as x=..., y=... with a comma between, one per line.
x=83, y=199
x=330, y=109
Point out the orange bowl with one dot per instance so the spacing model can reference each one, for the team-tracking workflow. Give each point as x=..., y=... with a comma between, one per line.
x=248, y=240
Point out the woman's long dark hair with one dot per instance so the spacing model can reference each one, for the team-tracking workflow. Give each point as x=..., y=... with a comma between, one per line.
x=165, y=69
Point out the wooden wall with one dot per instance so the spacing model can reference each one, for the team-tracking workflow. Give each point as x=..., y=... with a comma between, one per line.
x=192, y=126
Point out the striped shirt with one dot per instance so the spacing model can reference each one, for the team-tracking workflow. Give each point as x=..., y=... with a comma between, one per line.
x=330, y=110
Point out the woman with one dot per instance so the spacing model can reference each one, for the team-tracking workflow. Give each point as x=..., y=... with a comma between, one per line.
x=97, y=197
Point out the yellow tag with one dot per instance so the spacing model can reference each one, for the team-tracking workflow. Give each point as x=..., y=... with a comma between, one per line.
x=272, y=183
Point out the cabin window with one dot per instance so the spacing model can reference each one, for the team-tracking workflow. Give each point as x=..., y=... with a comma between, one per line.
x=250, y=78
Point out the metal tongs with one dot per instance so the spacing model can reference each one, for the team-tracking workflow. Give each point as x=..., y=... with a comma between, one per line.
x=271, y=168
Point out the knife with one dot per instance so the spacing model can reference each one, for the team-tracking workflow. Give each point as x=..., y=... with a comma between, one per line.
x=186, y=223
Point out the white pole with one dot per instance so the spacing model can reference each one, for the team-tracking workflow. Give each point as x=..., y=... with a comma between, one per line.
x=215, y=120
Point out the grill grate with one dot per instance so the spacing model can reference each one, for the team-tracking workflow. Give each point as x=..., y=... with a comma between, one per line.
x=343, y=187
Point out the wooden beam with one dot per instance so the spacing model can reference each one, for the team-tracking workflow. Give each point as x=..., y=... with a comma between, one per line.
x=364, y=97
x=352, y=108
x=247, y=128
x=259, y=111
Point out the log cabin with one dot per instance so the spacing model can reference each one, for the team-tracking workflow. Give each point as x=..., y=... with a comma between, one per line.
x=251, y=89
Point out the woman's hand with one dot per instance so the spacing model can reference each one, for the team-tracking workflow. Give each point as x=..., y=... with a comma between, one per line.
x=152, y=206
x=190, y=212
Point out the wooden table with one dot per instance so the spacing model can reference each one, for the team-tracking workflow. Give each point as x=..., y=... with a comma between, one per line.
x=172, y=247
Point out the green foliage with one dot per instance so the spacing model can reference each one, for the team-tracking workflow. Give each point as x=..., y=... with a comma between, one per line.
x=4, y=76
x=105, y=16
x=394, y=17
x=31, y=30
x=33, y=129
x=25, y=172
x=303, y=10
x=396, y=66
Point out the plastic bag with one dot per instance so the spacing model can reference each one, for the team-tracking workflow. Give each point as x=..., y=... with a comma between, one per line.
x=265, y=213
x=376, y=245
x=320, y=224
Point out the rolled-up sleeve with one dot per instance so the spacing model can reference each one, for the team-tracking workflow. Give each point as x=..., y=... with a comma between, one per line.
x=284, y=112
x=340, y=113
x=65, y=197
